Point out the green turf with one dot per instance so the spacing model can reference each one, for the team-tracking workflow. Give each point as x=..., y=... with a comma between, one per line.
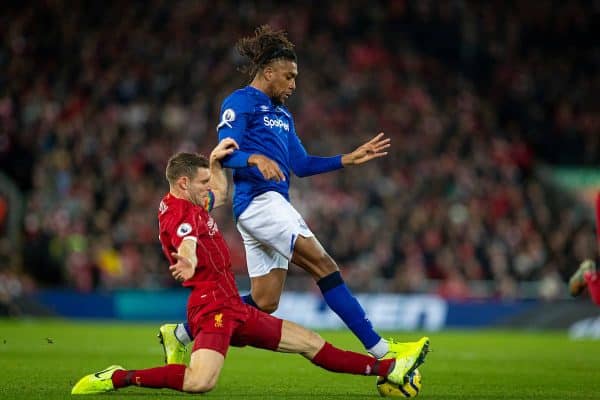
x=42, y=359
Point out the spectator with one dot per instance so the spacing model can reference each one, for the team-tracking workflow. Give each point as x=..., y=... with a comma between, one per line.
x=93, y=99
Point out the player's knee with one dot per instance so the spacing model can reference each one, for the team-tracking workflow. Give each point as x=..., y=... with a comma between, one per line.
x=268, y=305
x=199, y=381
x=200, y=386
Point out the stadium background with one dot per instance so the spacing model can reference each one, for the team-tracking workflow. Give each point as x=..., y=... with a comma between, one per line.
x=476, y=219
x=491, y=106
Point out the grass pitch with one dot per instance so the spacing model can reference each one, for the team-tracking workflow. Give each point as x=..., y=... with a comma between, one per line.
x=42, y=359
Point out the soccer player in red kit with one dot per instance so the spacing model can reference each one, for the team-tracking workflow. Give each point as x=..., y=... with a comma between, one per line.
x=217, y=315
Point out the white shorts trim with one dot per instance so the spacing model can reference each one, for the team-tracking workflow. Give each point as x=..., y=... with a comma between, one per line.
x=269, y=227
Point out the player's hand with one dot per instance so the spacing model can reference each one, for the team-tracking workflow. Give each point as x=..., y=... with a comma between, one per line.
x=183, y=269
x=267, y=167
x=374, y=148
x=223, y=149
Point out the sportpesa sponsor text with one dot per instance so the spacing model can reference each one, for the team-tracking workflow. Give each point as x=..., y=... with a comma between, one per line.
x=271, y=123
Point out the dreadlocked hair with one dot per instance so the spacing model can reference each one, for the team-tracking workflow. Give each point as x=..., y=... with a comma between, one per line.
x=265, y=46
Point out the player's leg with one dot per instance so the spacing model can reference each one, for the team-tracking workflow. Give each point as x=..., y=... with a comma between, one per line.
x=203, y=373
x=266, y=290
x=267, y=332
x=297, y=339
x=210, y=347
x=310, y=255
x=115, y=377
x=200, y=377
x=212, y=333
x=267, y=267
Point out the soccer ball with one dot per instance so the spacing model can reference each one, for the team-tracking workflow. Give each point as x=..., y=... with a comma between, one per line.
x=411, y=387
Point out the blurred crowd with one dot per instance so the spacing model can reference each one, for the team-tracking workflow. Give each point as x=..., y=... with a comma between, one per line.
x=95, y=96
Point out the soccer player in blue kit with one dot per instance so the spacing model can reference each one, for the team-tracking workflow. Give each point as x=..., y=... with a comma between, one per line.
x=274, y=233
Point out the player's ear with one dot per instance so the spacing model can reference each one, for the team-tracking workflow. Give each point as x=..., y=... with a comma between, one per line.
x=267, y=73
x=183, y=182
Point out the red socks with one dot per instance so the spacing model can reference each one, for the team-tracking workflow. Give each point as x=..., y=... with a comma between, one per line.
x=168, y=376
x=329, y=358
x=593, y=284
x=336, y=360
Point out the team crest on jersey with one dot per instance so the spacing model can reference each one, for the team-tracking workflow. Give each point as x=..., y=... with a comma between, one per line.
x=219, y=320
x=212, y=226
x=227, y=118
x=184, y=229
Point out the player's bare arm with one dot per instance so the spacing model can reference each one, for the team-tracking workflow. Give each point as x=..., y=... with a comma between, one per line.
x=186, y=263
x=267, y=167
x=218, y=179
x=374, y=148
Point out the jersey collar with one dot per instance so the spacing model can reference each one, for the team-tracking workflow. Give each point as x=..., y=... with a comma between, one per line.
x=261, y=95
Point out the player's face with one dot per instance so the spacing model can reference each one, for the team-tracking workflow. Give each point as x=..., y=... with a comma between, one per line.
x=198, y=187
x=283, y=80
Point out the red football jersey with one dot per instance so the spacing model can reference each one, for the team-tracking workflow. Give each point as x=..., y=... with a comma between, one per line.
x=180, y=220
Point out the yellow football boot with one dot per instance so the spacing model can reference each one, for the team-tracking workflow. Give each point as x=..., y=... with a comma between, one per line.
x=408, y=357
x=174, y=350
x=100, y=382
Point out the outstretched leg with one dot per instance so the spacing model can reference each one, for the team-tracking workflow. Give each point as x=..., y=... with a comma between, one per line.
x=115, y=377
x=200, y=377
x=310, y=255
x=267, y=332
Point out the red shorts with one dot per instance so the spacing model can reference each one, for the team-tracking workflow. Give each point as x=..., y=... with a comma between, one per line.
x=218, y=325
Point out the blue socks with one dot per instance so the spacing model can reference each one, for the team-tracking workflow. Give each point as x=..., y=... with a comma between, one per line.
x=344, y=304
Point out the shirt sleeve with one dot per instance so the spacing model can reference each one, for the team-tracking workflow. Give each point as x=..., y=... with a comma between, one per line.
x=183, y=226
x=304, y=164
x=233, y=124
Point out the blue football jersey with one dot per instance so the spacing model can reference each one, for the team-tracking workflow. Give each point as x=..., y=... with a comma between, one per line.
x=260, y=126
